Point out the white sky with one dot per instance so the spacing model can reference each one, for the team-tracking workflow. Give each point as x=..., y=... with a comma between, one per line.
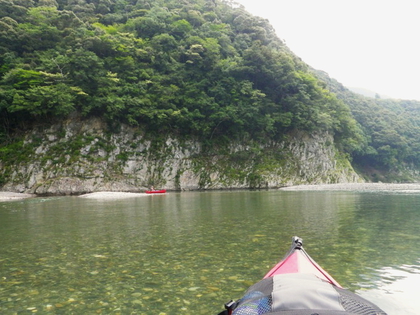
x=371, y=44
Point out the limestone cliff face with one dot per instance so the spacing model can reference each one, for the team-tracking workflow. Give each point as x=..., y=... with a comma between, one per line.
x=82, y=156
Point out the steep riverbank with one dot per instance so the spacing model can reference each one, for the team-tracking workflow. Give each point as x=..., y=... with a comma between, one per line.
x=78, y=157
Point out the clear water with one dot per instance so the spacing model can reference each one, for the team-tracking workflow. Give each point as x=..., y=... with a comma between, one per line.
x=190, y=252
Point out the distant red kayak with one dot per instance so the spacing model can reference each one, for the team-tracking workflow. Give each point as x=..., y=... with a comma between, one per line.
x=160, y=191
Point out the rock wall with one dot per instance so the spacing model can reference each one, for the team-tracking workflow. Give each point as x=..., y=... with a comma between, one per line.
x=83, y=156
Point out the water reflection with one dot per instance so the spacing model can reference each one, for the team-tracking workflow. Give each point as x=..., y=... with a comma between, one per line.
x=190, y=252
x=396, y=289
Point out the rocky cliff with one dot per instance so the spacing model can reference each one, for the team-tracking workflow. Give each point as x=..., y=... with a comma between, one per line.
x=83, y=156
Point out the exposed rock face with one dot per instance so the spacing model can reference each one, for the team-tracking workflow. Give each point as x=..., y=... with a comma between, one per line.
x=81, y=157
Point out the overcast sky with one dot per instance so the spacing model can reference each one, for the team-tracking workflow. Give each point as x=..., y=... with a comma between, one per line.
x=371, y=44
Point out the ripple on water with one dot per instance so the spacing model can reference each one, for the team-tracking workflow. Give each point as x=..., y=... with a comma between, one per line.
x=397, y=287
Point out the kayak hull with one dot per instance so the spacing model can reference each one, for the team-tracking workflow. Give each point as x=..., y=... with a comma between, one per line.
x=161, y=191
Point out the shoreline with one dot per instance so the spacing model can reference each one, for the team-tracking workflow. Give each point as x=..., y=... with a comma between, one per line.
x=111, y=195
x=357, y=187
x=7, y=196
x=412, y=187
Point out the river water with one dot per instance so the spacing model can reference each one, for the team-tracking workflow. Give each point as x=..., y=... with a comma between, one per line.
x=190, y=252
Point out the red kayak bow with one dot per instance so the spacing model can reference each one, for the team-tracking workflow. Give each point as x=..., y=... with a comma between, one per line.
x=297, y=260
x=297, y=285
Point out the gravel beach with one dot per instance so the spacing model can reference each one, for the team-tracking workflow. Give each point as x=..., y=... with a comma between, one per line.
x=6, y=195
x=9, y=196
x=112, y=195
x=359, y=187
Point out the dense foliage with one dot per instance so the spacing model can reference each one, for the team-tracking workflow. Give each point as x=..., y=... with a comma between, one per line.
x=391, y=128
x=195, y=67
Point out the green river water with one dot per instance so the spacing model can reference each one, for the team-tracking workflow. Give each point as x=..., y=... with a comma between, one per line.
x=190, y=252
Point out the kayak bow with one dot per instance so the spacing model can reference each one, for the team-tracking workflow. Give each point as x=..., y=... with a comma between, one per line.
x=297, y=285
x=297, y=260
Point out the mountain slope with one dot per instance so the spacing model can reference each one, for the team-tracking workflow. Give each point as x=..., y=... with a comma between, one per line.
x=391, y=129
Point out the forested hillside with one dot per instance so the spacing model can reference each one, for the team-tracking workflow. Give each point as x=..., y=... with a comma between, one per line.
x=200, y=68
x=391, y=128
